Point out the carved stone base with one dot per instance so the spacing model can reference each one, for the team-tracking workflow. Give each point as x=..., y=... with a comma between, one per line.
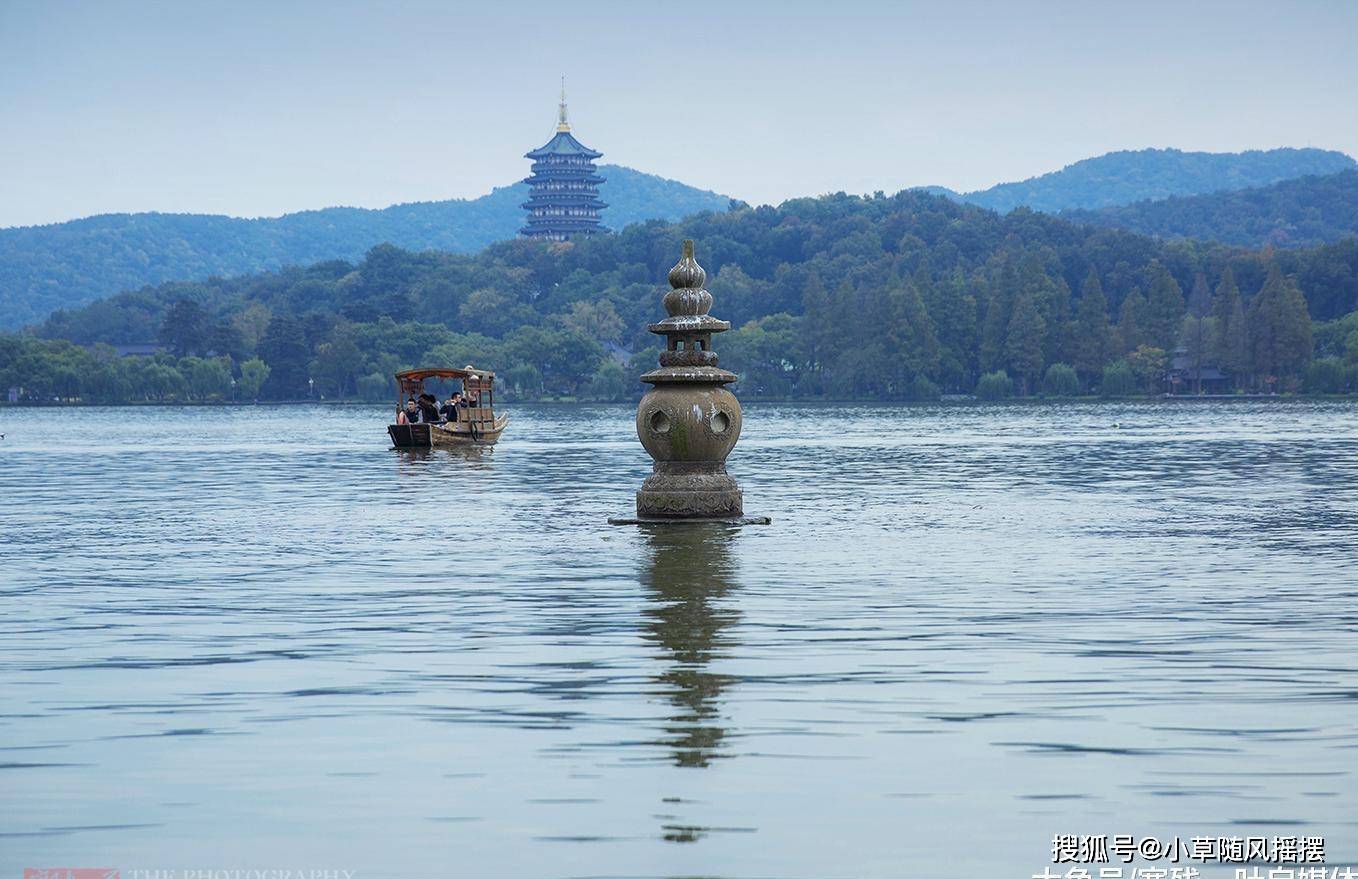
x=702, y=490
x=689, y=504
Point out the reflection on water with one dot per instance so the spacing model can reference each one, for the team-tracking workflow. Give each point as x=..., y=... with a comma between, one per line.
x=969, y=628
x=688, y=572
x=472, y=453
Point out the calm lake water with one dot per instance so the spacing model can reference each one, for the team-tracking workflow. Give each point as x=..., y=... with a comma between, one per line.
x=257, y=638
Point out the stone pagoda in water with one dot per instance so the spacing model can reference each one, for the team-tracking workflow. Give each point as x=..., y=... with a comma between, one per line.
x=564, y=201
x=689, y=421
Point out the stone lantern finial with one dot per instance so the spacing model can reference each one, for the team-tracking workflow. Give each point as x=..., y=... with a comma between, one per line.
x=689, y=421
x=687, y=274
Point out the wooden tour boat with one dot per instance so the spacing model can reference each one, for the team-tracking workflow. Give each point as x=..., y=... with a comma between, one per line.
x=475, y=423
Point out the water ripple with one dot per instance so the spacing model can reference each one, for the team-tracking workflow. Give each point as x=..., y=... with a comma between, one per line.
x=391, y=662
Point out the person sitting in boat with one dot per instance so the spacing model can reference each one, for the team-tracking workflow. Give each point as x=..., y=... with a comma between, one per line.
x=428, y=406
x=449, y=408
x=410, y=414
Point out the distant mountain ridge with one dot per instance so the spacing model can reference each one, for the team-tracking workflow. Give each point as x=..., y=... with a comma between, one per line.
x=1130, y=176
x=43, y=268
x=1294, y=213
x=64, y=265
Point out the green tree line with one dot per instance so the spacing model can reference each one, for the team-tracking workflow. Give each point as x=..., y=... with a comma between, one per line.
x=901, y=297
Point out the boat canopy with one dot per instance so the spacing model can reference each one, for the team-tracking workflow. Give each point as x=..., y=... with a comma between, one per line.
x=478, y=381
x=419, y=375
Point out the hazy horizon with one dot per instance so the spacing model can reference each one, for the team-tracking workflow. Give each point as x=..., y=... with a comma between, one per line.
x=250, y=110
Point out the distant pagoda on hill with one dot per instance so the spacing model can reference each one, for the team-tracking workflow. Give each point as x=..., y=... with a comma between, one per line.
x=564, y=202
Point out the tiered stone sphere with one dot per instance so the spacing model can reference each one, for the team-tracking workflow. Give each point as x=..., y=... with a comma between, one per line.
x=686, y=421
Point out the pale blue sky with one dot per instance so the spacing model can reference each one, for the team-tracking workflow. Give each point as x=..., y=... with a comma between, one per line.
x=258, y=108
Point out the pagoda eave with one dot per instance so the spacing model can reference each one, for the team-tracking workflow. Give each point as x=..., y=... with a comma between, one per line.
x=552, y=177
x=535, y=155
x=531, y=206
x=559, y=234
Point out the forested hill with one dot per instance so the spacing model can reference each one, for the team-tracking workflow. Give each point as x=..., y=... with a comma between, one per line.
x=43, y=268
x=1132, y=176
x=886, y=297
x=1293, y=213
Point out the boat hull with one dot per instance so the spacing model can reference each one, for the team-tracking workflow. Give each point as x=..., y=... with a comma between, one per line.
x=427, y=436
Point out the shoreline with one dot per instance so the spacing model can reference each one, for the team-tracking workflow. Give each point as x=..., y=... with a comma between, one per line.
x=794, y=401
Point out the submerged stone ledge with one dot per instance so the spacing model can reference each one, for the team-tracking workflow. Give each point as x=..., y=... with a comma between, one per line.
x=719, y=520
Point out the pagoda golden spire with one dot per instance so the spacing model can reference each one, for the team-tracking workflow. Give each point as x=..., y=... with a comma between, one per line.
x=561, y=123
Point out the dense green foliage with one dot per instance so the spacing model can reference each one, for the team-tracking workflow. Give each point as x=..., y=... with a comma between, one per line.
x=43, y=268
x=1061, y=381
x=1293, y=213
x=1130, y=176
x=994, y=386
x=900, y=297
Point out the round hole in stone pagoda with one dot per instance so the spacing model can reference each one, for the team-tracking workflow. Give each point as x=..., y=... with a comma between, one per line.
x=720, y=422
x=660, y=422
